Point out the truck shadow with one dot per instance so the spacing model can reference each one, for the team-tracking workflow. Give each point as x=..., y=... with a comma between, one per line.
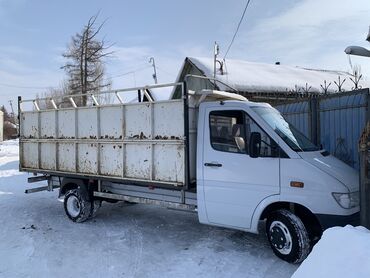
x=181, y=229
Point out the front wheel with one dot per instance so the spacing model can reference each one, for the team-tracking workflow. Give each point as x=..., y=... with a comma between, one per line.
x=288, y=236
x=76, y=205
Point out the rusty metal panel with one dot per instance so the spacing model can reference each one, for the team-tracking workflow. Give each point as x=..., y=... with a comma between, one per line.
x=111, y=159
x=47, y=153
x=67, y=157
x=30, y=155
x=166, y=169
x=30, y=125
x=168, y=120
x=87, y=123
x=138, y=161
x=66, y=123
x=87, y=158
x=138, y=141
x=47, y=124
x=111, y=122
x=137, y=121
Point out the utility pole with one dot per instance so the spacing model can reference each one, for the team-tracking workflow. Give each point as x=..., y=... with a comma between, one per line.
x=216, y=51
x=11, y=107
x=151, y=61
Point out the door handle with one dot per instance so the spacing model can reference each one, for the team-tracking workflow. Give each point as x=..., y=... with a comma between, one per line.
x=213, y=164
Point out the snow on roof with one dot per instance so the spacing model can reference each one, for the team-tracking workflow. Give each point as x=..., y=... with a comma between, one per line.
x=258, y=77
x=341, y=252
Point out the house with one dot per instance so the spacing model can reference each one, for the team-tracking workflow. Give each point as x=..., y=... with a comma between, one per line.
x=262, y=82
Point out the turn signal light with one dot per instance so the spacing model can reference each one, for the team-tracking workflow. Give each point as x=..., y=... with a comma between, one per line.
x=297, y=184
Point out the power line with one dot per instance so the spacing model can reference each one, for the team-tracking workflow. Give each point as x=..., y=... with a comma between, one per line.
x=237, y=29
x=165, y=71
x=51, y=87
x=25, y=87
x=129, y=68
x=131, y=72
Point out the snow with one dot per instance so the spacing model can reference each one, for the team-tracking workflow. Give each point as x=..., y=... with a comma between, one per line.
x=341, y=252
x=266, y=78
x=38, y=240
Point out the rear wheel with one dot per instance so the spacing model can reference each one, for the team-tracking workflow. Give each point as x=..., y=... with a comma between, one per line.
x=76, y=205
x=288, y=236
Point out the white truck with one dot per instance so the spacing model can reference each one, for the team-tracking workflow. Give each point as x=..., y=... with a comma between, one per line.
x=233, y=161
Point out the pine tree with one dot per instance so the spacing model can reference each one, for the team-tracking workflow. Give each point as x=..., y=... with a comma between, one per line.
x=85, y=66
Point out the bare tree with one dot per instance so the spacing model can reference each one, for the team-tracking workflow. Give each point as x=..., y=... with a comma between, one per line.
x=85, y=65
x=9, y=127
x=57, y=94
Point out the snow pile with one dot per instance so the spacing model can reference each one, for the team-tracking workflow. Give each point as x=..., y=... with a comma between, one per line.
x=9, y=148
x=9, y=151
x=341, y=252
x=259, y=77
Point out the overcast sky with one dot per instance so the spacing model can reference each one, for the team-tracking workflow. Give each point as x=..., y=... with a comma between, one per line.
x=308, y=33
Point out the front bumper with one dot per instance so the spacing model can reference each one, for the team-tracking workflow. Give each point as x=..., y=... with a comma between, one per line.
x=328, y=220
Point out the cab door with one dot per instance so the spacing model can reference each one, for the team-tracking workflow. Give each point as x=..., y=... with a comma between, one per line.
x=234, y=183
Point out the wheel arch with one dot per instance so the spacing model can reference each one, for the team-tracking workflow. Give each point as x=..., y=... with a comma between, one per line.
x=308, y=218
x=71, y=183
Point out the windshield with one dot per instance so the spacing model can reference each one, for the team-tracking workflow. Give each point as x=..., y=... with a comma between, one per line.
x=292, y=136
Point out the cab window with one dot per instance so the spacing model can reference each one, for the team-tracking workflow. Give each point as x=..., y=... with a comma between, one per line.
x=230, y=131
x=227, y=131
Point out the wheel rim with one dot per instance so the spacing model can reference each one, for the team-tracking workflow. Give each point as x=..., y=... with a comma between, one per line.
x=73, y=206
x=280, y=237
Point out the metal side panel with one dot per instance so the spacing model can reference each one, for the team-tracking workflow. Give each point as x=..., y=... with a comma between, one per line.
x=66, y=123
x=48, y=158
x=169, y=118
x=67, y=157
x=168, y=169
x=87, y=158
x=107, y=129
x=111, y=159
x=87, y=123
x=138, y=121
x=30, y=125
x=29, y=155
x=47, y=122
x=138, y=161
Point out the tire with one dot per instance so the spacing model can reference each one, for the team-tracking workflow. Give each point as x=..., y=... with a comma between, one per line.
x=96, y=205
x=287, y=236
x=76, y=205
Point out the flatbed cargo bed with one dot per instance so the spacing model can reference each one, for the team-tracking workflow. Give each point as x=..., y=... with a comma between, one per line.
x=141, y=143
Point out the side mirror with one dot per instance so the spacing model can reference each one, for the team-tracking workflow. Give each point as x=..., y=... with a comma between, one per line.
x=255, y=144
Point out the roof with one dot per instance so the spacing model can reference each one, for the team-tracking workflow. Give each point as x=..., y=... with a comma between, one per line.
x=258, y=77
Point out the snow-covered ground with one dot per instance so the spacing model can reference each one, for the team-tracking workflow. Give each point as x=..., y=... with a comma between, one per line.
x=37, y=239
x=341, y=252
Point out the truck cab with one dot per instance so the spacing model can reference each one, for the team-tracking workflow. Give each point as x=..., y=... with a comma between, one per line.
x=253, y=165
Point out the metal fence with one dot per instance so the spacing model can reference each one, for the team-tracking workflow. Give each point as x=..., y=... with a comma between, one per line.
x=334, y=121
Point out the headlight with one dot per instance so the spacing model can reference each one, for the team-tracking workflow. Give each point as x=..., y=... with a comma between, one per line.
x=347, y=200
